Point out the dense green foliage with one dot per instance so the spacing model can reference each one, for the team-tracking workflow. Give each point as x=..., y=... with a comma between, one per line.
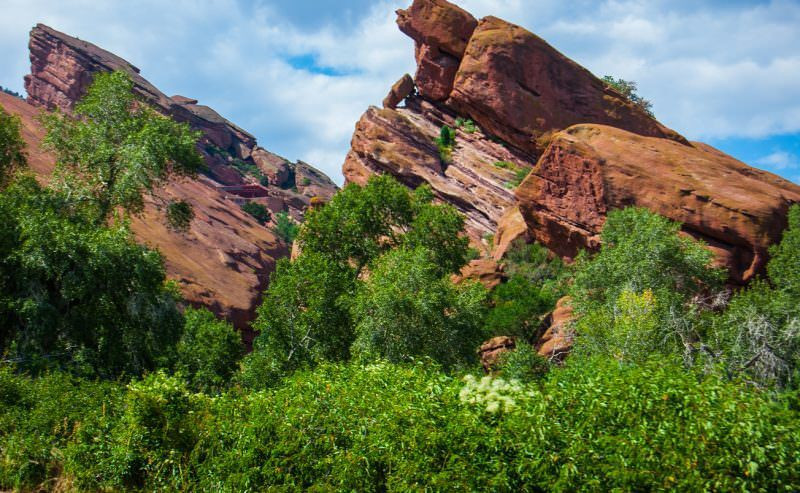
x=285, y=227
x=445, y=143
x=407, y=310
x=115, y=148
x=628, y=89
x=208, y=352
x=74, y=294
x=12, y=147
x=592, y=426
x=537, y=279
x=258, y=211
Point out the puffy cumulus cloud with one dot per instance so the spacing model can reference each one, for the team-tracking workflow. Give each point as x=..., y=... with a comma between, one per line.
x=299, y=76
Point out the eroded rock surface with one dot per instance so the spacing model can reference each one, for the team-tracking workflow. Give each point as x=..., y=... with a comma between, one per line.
x=589, y=170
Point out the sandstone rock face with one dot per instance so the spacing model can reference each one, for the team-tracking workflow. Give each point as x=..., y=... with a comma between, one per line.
x=222, y=262
x=589, y=170
x=557, y=338
x=484, y=270
x=521, y=89
x=401, y=143
x=591, y=148
x=63, y=67
x=491, y=350
x=440, y=31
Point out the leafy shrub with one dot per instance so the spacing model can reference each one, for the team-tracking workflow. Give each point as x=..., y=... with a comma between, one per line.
x=445, y=143
x=209, y=351
x=76, y=295
x=494, y=393
x=523, y=364
x=645, y=273
x=12, y=147
x=505, y=165
x=536, y=282
x=467, y=125
x=407, y=310
x=628, y=89
x=306, y=181
x=285, y=227
x=258, y=211
x=759, y=334
x=303, y=320
x=179, y=215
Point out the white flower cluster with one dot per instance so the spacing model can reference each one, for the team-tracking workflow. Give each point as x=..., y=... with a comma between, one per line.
x=494, y=393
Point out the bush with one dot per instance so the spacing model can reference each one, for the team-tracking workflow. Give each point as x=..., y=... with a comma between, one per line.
x=445, y=143
x=209, y=351
x=75, y=295
x=12, y=147
x=523, y=364
x=303, y=319
x=258, y=211
x=179, y=215
x=285, y=227
x=406, y=310
x=628, y=89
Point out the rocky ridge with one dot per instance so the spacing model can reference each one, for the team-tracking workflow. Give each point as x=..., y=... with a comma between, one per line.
x=224, y=260
x=590, y=149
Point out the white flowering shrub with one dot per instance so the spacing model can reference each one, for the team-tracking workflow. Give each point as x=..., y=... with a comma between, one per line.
x=495, y=393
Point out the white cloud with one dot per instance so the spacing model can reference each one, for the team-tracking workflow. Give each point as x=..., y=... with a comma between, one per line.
x=712, y=69
x=779, y=161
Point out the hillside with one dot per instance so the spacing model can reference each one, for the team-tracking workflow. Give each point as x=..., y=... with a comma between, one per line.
x=224, y=260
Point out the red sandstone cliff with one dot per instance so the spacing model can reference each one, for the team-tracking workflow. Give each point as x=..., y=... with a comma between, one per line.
x=591, y=150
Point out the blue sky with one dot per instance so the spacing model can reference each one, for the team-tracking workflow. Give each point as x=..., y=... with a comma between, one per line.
x=298, y=74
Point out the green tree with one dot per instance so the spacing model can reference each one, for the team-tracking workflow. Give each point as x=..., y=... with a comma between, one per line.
x=759, y=334
x=285, y=227
x=116, y=148
x=406, y=309
x=12, y=147
x=628, y=89
x=645, y=273
x=179, y=215
x=303, y=319
x=80, y=296
x=209, y=351
x=361, y=223
x=258, y=211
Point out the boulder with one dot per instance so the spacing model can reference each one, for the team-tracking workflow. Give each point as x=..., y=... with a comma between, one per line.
x=512, y=227
x=589, y=170
x=485, y=270
x=557, y=334
x=440, y=31
x=400, y=90
x=491, y=350
x=522, y=89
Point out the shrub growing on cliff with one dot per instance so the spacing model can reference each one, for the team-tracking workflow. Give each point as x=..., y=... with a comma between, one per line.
x=259, y=212
x=179, y=215
x=285, y=227
x=445, y=143
x=628, y=89
x=116, y=148
x=12, y=147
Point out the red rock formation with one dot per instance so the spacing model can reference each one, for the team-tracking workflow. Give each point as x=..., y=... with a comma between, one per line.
x=591, y=169
x=400, y=90
x=558, y=336
x=63, y=67
x=523, y=94
x=491, y=350
x=485, y=270
x=440, y=31
x=225, y=258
